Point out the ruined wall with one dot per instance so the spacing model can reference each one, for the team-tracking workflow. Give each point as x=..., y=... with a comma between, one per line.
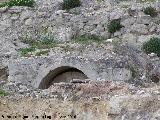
x=34, y=70
x=92, y=17
x=102, y=100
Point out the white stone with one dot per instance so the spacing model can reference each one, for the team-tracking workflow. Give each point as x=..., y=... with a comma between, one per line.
x=109, y=40
x=115, y=15
x=29, y=21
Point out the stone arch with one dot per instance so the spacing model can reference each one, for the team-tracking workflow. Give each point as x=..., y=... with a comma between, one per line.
x=61, y=74
x=49, y=66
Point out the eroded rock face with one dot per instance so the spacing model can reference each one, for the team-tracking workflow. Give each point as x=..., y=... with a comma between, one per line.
x=92, y=17
x=96, y=91
x=103, y=100
x=3, y=74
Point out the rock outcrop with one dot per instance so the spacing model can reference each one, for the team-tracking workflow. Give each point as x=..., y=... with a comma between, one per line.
x=109, y=78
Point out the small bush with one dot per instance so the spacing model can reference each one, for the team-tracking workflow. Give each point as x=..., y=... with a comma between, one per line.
x=87, y=38
x=42, y=53
x=42, y=42
x=69, y=4
x=152, y=46
x=2, y=5
x=25, y=51
x=11, y=3
x=2, y=93
x=150, y=11
x=67, y=48
x=114, y=26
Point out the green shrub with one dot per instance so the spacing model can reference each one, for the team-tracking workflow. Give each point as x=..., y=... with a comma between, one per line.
x=152, y=46
x=3, y=93
x=11, y=3
x=69, y=4
x=2, y=5
x=67, y=48
x=87, y=38
x=114, y=26
x=42, y=42
x=150, y=11
x=25, y=51
x=42, y=53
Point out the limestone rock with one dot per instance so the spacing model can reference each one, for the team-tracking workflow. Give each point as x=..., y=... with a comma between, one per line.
x=115, y=15
x=139, y=29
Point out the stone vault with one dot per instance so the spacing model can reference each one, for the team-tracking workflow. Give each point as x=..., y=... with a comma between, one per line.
x=41, y=72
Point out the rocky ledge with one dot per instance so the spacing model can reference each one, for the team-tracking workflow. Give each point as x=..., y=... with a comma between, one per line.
x=89, y=100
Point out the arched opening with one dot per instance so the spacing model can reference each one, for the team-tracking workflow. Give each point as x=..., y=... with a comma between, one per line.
x=61, y=74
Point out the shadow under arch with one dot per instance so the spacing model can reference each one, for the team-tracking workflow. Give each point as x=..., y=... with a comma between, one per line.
x=61, y=74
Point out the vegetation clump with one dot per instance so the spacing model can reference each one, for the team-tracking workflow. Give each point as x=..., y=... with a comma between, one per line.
x=69, y=4
x=25, y=51
x=114, y=26
x=45, y=52
x=42, y=42
x=150, y=11
x=2, y=93
x=10, y=3
x=152, y=46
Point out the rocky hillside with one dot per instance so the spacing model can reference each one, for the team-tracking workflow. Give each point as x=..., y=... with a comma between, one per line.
x=82, y=60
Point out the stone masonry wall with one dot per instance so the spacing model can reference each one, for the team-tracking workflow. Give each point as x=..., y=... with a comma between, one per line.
x=34, y=70
x=90, y=18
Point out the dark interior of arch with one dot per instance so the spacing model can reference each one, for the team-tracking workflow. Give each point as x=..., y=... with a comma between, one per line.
x=61, y=74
